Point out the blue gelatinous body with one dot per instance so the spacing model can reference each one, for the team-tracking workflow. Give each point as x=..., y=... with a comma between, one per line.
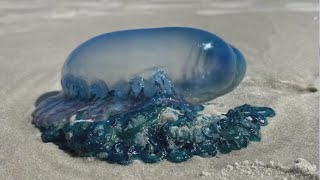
x=135, y=95
x=200, y=64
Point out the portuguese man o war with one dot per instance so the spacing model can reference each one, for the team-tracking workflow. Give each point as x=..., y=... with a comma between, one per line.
x=136, y=95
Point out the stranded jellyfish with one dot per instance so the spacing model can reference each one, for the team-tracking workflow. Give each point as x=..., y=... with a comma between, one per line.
x=137, y=94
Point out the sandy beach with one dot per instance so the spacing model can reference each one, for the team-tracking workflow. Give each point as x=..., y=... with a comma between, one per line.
x=278, y=38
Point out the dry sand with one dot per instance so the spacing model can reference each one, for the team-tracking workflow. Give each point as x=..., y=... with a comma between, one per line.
x=278, y=38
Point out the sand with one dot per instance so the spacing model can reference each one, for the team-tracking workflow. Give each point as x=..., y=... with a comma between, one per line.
x=278, y=38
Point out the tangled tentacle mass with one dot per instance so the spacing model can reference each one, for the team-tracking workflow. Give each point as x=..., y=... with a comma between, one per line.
x=151, y=124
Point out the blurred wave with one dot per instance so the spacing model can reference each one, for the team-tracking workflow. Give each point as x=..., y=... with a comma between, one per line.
x=11, y=11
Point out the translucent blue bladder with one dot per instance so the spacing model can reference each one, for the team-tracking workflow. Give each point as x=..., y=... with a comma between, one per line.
x=136, y=94
x=200, y=64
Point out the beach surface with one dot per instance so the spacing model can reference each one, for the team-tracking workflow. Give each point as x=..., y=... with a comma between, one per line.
x=278, y=38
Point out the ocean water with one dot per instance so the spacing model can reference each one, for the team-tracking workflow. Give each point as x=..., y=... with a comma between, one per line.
x=24, y=9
